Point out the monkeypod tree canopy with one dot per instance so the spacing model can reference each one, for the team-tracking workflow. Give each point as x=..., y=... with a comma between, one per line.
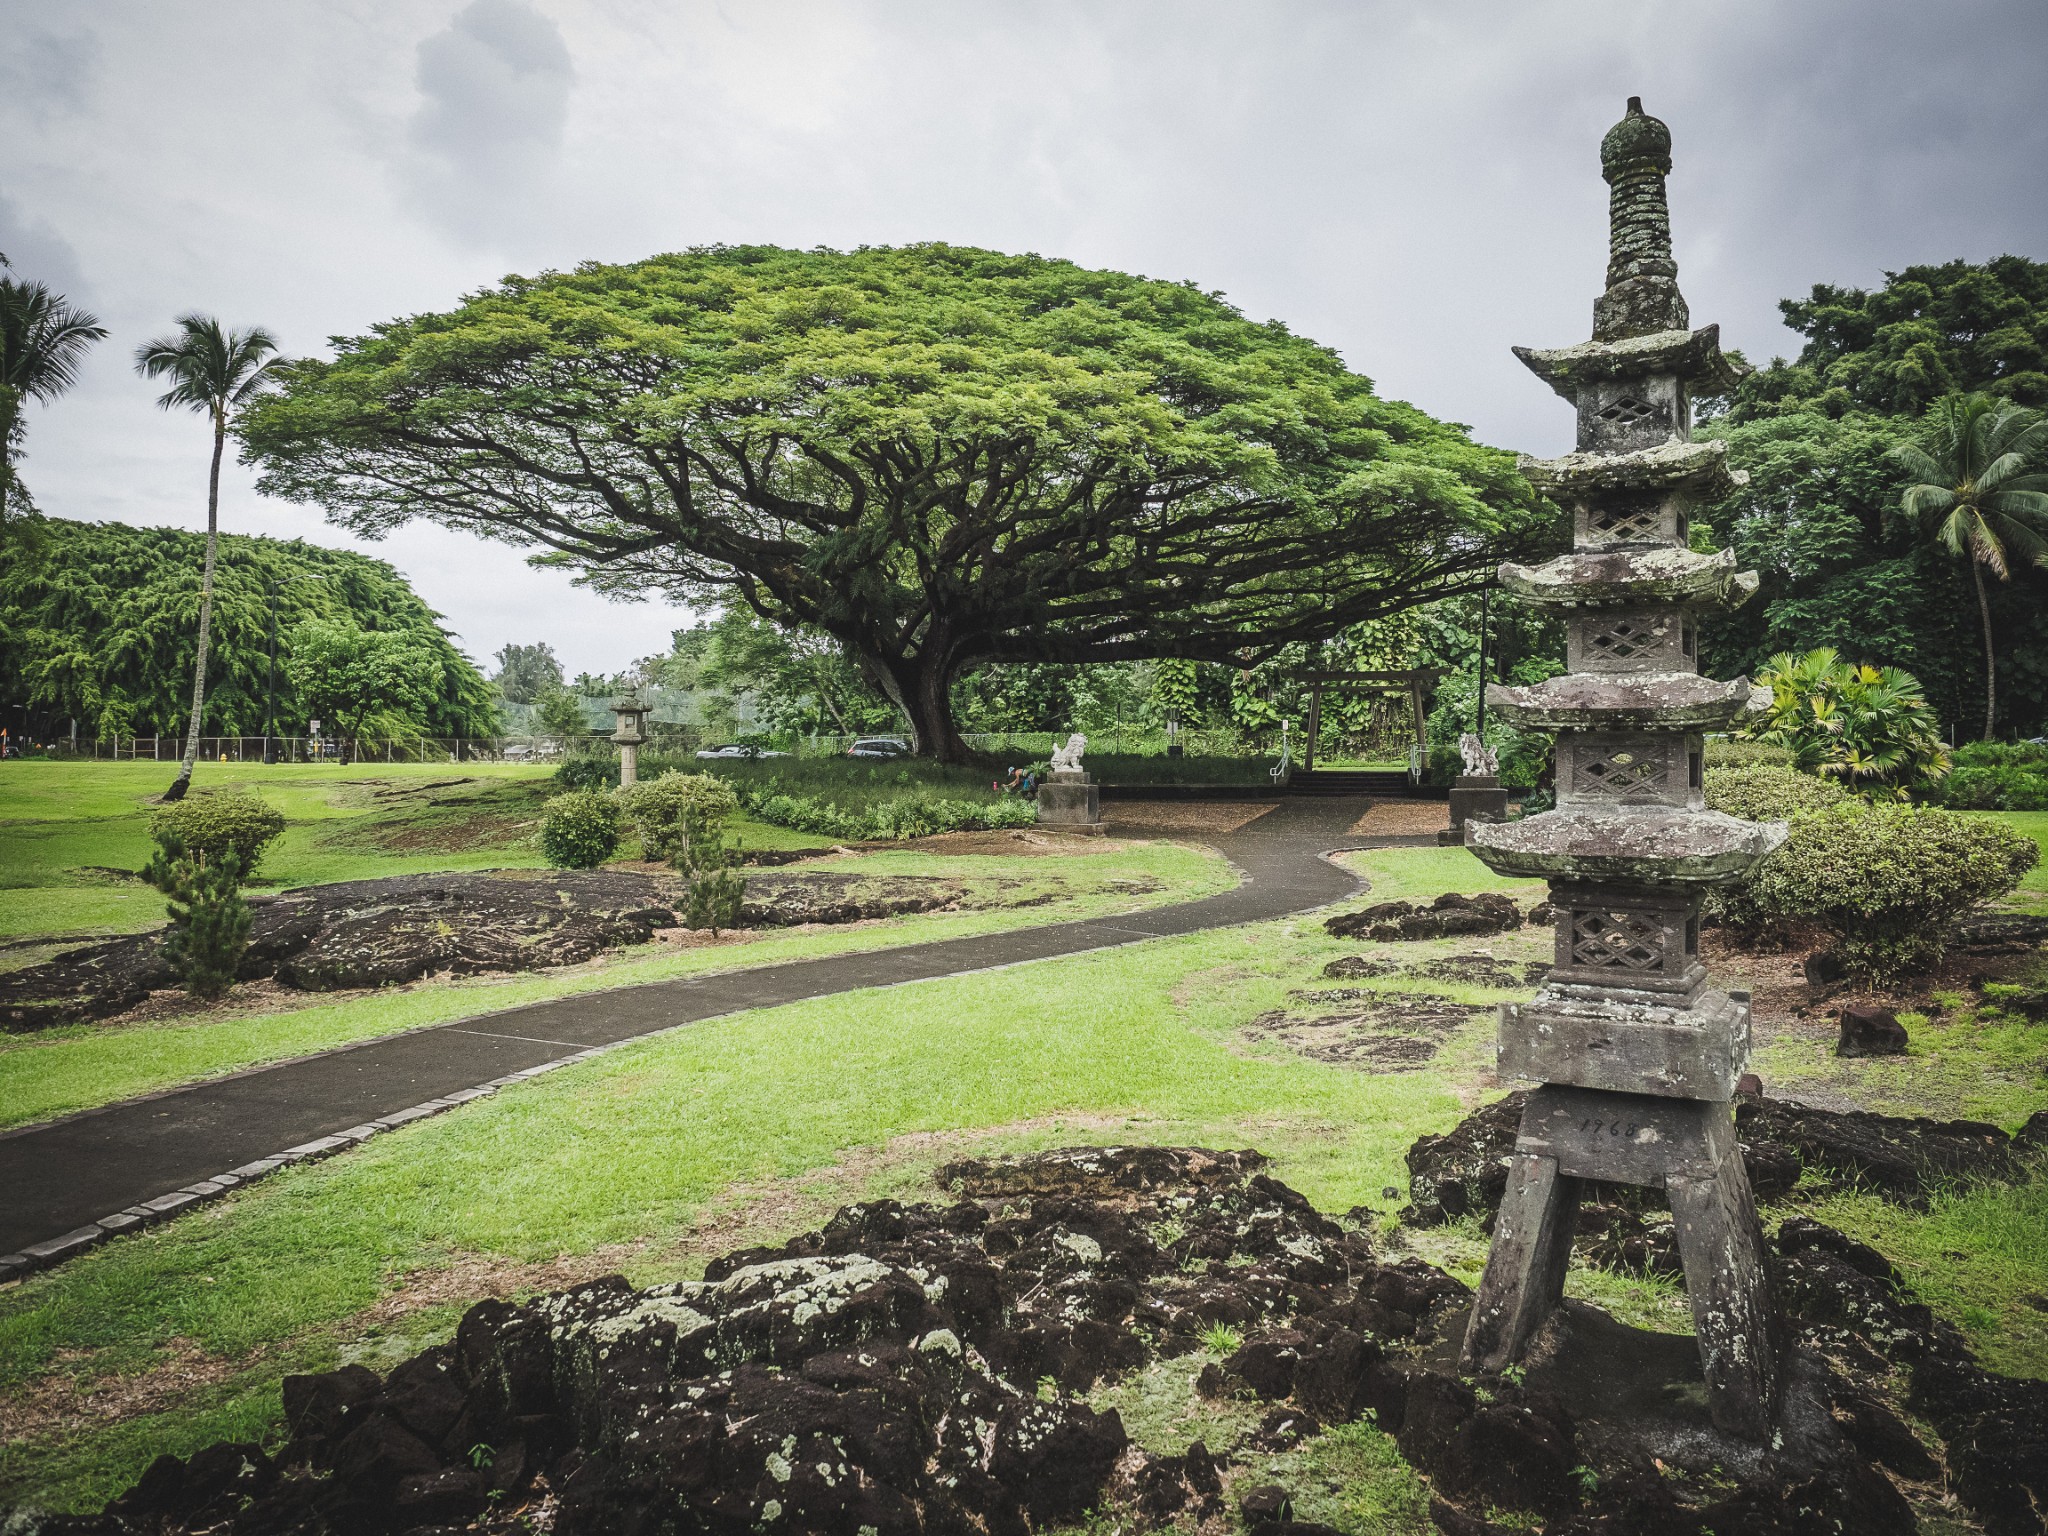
x=941, y=456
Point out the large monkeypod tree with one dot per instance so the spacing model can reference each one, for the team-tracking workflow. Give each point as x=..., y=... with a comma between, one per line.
x=940, y=456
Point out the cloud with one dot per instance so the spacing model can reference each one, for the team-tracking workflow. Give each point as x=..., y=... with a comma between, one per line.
x=487, y=138
x=38, y=252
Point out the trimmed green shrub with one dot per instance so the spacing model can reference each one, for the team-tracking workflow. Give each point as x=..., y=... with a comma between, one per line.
x=667, y=809
x=579, y=830
x=209, y=919
x=1733, y=752
x=1887, y=881
x=1998, y=776
x=1762, y=792
x=901, y=817
x=218, y=822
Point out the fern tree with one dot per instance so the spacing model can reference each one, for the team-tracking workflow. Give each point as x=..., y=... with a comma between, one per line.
x=212, y=370
x=1978, y=489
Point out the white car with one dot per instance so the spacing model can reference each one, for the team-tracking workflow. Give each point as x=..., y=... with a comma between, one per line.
x=879, y=747
x=734, y=749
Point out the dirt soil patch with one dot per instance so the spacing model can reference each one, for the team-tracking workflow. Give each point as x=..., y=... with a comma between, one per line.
x=926, y=1367
x=1381, y=1032
x=1206, y=818
x=1403, y=818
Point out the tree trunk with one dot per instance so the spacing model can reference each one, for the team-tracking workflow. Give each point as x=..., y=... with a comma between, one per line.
x=184, y=779
x=922, y=688
x=1990, y=663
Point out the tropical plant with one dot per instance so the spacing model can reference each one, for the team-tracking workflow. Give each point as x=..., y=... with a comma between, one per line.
x=43, y=337
x=580, y=829
x=1868, y=726
x=350, y=677
x=97, y=627
x=940, y=457
x=212, y=371
x=1979, y=489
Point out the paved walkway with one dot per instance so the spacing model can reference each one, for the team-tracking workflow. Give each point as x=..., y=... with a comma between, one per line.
x=63, y=1180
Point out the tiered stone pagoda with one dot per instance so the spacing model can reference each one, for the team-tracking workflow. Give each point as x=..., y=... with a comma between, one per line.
x=1637, y=1054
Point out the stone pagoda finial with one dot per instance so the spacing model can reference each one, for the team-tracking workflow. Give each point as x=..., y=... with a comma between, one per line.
x=1636, y=1055
x=1642, y=294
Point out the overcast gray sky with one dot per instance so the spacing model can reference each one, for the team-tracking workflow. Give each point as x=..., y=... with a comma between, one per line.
x=1414, y=184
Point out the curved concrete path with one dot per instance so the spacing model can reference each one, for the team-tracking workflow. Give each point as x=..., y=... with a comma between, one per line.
x=71, y=1183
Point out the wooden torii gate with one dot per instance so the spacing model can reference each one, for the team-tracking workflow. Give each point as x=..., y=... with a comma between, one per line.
x=1418, y=683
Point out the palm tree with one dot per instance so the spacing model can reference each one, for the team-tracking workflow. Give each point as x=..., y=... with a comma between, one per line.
x=211, y=369
x=1976, y=488
x=43, y=336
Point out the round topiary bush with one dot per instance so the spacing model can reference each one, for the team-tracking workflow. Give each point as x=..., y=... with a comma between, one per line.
x=579, y=830
x=1888, y=881
x=1765, y=792
x=217, y=822
x=663, y=809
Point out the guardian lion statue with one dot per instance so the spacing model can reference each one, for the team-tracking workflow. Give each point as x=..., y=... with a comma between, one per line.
x=1067, y=759
x=1481, y=761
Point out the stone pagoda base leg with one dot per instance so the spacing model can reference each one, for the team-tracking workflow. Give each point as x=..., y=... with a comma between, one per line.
x=1524, y=1279
x=1687, y=1147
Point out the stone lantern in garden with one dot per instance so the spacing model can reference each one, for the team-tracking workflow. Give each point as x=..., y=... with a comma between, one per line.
x=631, y=735
x=1637, y=1056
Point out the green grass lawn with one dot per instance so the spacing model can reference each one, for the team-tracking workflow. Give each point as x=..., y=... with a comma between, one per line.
x=58, y=1071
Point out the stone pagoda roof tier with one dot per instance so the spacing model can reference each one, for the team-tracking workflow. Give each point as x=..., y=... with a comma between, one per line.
x=1659, y=701
x=1694, y=356
x=1655, y=845
x=1701, y=469
x=1626, y=578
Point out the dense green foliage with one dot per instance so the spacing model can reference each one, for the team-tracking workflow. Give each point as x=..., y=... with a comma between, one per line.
x=909, y=813
x=1998, y=776
x=1930, y=331
x=98, y=625
x=1738, y=752
x=579, y=829
x=1867, y=726
x=1886, y=881
x=527, y=671
x=939, y=456
x=1765, y=792
x=348, y=677
x=1822, y=520
x=219, y=823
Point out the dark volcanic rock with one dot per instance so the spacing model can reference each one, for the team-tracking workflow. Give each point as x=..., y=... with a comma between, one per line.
x=1870, y=1031
x=372, y=933
x=914, y=1369
x=1449, y=914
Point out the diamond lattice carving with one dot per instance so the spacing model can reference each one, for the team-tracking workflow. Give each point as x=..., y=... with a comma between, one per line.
x=1638, y=521
x=1626, y=941
x=1621, y=774
x=1628, y=410
x=1623, y=640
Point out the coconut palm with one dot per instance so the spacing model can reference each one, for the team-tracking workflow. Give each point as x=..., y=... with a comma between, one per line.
x=212, y=370
x=1977, y=488
x=43, y=336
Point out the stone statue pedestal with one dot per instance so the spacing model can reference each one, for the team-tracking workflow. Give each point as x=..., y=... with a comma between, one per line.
x=1072, y=801
x=1474, y=797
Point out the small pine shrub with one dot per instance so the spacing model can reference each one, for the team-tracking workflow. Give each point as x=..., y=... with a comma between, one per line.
x=209, y=919
x=1764, y=792
x=664, y=811
x=715, y=889
x=216, y=823
x=579, y=830
x=1888, y=881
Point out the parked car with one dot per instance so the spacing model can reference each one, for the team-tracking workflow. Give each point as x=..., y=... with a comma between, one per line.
x=879, y=747
x=734, y=749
